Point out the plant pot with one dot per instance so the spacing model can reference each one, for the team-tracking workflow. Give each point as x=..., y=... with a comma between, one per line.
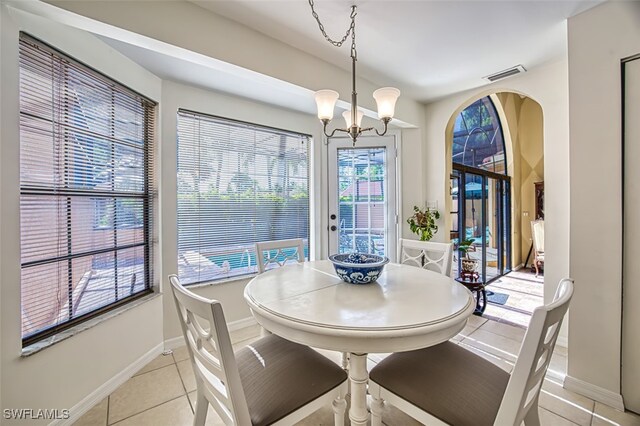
x=469, y=265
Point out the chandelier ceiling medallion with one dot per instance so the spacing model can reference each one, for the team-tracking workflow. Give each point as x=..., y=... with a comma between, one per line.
x=385, y=97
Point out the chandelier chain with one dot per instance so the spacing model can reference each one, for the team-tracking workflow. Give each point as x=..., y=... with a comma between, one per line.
x=350, y=31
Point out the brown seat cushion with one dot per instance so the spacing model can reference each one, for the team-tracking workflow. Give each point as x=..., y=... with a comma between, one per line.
x=447, y=381
x=279, y=376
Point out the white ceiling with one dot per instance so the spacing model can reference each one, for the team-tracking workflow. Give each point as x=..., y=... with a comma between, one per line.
x=428, y=49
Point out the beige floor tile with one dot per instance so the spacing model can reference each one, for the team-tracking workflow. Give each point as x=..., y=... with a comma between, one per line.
x=495, y=344
x=245, y=333
x=332, y=355
x=176, y=412
x=558, y=364
x=392, y=416
x=186, y=374
x=506, y=330
x=243, y=343
x=475, y=321
x=562, y=350
x=517, y=318
x=321, y=417
x=604, y=415
x=500, y=362
x=159, y=362
x=145, y=391
x=466, y=331
x=181, y=353
x=96, y=416
x=377, y=357
x=547, y=418
x=213, y=419
x=567, y=404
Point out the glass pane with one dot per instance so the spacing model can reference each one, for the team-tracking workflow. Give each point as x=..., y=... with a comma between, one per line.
x=238, y=184
x=362, y=204
x=473, y=218
x=477, y=138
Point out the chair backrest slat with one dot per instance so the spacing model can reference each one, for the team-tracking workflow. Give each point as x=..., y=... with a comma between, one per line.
x=280, y=258
x=534, y=357
x=210, y=351
x=426, y=254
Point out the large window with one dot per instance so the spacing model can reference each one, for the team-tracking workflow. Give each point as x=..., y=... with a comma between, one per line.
x=480, y=190
x=85, y=191
x=238, y=184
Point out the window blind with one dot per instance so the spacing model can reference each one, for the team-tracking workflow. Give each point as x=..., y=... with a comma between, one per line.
x=238, y=184
x=86, y=145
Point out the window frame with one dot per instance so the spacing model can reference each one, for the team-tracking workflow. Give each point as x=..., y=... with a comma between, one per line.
x=145, y=197
x=254, y=127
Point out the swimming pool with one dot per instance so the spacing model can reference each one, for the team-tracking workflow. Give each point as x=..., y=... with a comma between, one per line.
x=247, y=258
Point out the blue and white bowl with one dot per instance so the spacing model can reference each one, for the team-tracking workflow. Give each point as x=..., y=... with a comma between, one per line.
x=358, y=268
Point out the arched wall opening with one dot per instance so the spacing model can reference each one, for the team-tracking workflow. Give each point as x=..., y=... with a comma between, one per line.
x=522, y=123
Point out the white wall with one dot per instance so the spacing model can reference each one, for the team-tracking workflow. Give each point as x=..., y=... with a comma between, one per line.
x=548, y=86
x=62, y=375
x=598, y=39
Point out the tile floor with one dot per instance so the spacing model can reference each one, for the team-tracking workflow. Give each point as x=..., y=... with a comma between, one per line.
x=162, y=393
x=525, y=293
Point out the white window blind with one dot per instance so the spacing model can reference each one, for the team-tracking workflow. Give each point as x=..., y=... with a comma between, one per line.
x=238, y=184
x=85, y=191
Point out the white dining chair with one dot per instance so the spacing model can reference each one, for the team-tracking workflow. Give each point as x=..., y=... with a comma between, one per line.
x=271, y=381
x=537, y=237
x=426, y=254
x=447, y=384
x=280, y=258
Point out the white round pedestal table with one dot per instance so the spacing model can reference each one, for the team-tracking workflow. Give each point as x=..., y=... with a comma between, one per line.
x=407, y=308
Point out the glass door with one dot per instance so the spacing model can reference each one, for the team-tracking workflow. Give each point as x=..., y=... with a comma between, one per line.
x=362, y=196
x=482, y=210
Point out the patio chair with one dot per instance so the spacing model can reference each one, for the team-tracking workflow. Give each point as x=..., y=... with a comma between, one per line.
x=537, y=236
x=280, y=246
x=271, y=381
x=447, y=384
x=426, y=254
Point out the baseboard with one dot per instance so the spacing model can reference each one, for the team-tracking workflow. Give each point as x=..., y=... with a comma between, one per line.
x=520, y=266
x=240, y=324
x=176, y=342
x=108, y=387
x=594, y=392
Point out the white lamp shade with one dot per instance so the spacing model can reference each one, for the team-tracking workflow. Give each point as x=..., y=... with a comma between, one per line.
x=386, y=98
x=347, y=118
x=326, y=101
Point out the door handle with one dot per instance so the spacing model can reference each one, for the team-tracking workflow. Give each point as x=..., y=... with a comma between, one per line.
x=333, y=228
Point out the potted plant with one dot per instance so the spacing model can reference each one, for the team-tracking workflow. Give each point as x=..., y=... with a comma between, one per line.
x=468, y=264
x=423, y=223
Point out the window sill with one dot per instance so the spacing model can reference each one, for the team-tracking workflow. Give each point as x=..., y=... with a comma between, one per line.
x=64, y=335
x=247, y=277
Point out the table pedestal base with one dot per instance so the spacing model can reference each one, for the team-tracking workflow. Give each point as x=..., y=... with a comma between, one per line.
x=358, y=378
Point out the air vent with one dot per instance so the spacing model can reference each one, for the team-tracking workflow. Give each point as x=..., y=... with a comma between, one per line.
x=506, y=73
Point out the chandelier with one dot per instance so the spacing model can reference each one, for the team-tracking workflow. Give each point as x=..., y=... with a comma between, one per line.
x=385, y=97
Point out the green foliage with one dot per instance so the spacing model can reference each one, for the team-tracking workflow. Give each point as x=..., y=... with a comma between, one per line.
x=465, y=246
x=423, y=223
